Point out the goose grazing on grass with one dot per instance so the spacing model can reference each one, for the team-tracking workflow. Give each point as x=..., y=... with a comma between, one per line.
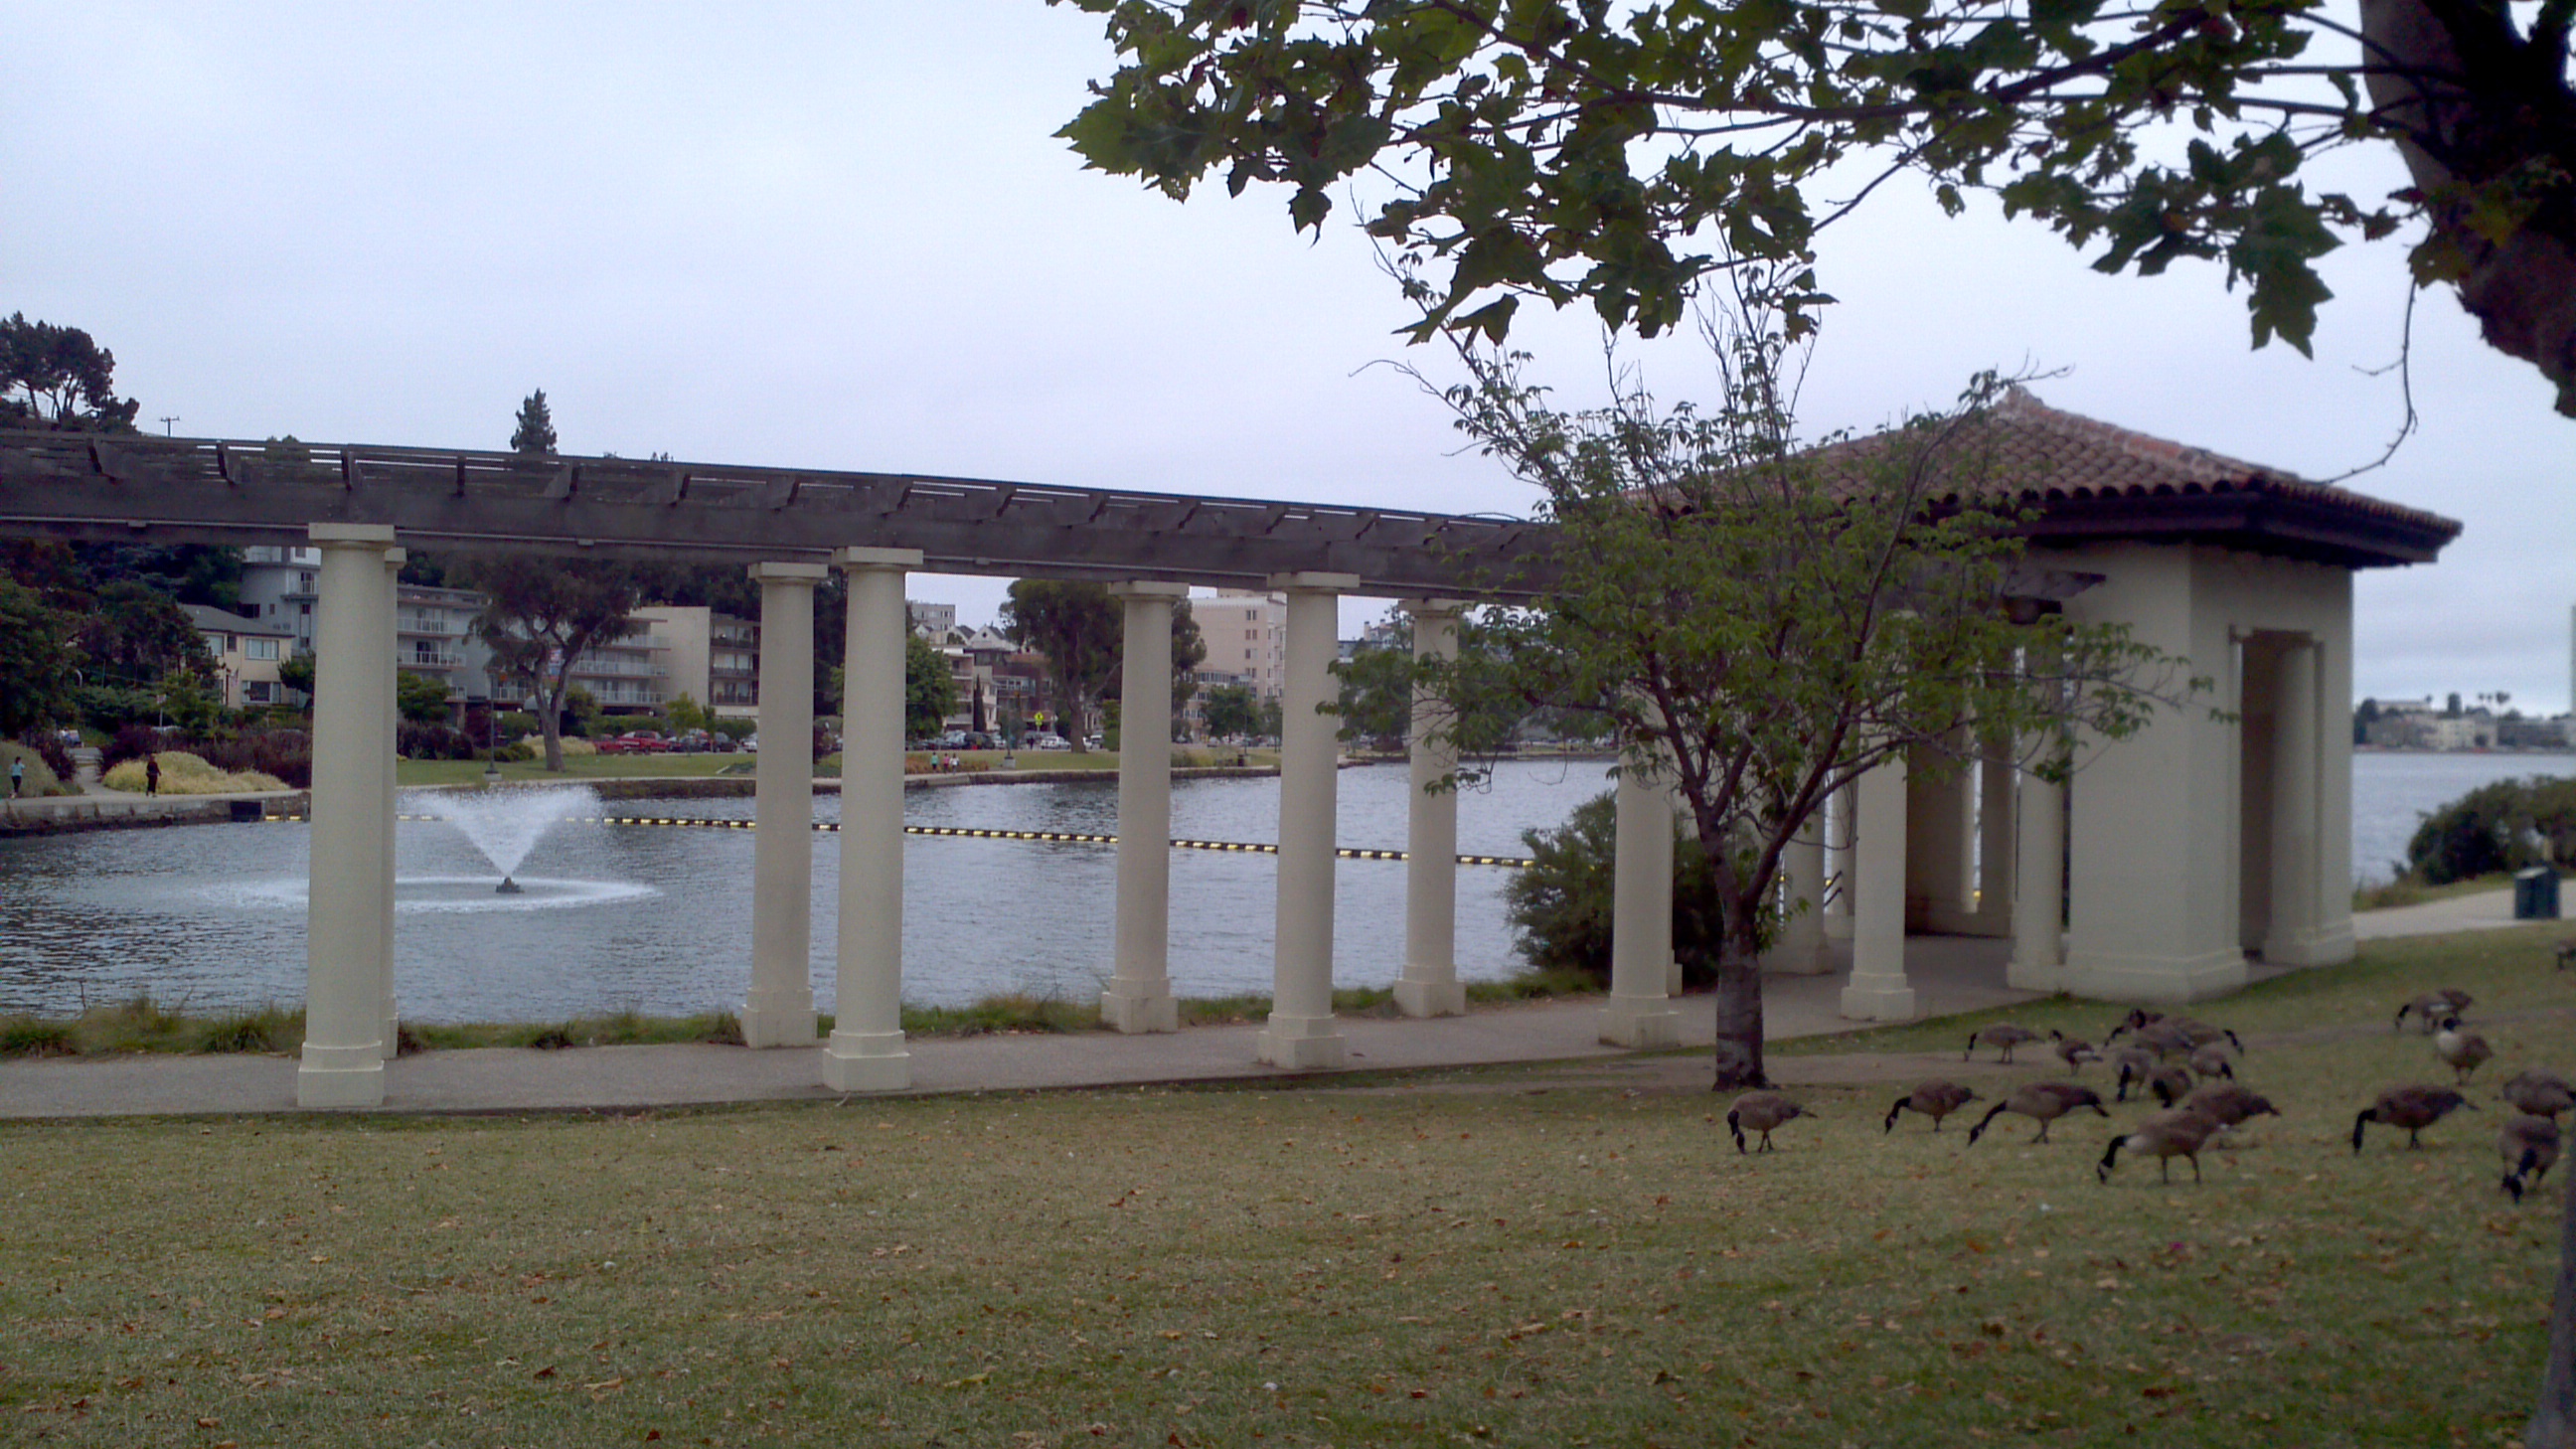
x=2432, y=1006
x=2229, y=1104
x=2530, y=1148
x=2075, y=1051
x=1760, y=1112
x=2043, y=1103
x=2170, y=1082
x=2164, y=1137
x=2003, y=1035
x=1935, y=1099
x=2211, y=1061
x=2466, y=1051
x=2542, y=1094
x=2138, y=1017
x=2135, y=1064
x=2413, y=1107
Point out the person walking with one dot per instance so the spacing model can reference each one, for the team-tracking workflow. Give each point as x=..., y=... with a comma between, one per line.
x=17, y=775
x=151, y=774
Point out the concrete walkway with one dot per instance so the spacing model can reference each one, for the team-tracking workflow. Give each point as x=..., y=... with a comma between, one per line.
x=1951, y=974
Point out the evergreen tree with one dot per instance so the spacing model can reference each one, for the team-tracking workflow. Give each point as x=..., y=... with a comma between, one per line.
x=535, y=434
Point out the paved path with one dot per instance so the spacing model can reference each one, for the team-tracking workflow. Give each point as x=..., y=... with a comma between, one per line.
x=1951, y=974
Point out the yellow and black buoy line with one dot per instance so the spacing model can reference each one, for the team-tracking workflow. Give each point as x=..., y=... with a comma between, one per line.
x=1513, y=862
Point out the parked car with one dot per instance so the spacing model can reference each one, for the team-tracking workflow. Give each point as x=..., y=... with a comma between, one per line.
x=751, y=743
x=1049, y=742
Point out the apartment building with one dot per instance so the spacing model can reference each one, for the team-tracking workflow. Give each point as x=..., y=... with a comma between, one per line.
x=278, y=589
x=711, y=657
x=246, y=654
x=1246, y=634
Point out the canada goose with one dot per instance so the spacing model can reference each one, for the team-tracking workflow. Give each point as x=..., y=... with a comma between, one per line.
x=2530, y=1147
x=2200, y=1033
x=2165, y=1136
x=2075, y=1051
x=2138, y=1017
x=2211, y=1061
x=2002, y=1034
x=2229, y=1104
x=2134, y=1064
x=2466, y=1051
x=2542, y=1094
x=2170, y=1083
x=2414, y=1107
x=1935, y=1099
x=2432, y=1006
x=2165, y=1039
x=2042, y=1102
x=1760, y=1111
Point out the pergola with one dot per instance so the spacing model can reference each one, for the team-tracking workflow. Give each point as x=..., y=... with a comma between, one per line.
x=2201, y=838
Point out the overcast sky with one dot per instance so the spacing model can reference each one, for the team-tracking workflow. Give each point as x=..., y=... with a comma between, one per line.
x=841, y=236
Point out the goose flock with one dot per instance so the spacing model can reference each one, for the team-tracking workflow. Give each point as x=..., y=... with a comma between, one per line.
x=2190, y=1067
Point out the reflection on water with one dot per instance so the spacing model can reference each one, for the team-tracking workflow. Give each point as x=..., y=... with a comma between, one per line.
x=659, y=920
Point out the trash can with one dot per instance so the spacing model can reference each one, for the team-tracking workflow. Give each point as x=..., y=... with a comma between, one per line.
x=2535, y=894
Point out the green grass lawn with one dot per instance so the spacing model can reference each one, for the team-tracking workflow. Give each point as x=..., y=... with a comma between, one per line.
x=1534, y=1256
x=683, y=767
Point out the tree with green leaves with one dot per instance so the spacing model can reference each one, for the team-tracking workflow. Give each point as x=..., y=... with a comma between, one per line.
x=535, y=434
x=1576, y=151
x=1231, y=711
x=137, y=633
x=1080, y=629
x=929, y=687
x=59, y=377
x=420, y=698
x=1760, y=624
x=541, y=614
x=35, y=659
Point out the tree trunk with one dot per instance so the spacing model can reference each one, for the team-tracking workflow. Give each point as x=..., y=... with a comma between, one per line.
x=1739, y=1008
x=2553, y=1424
x=2505, y=116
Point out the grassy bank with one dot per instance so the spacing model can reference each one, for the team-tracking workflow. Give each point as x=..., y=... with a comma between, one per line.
x=2413, y=891
x=141, y=1024
x=1524, y=1257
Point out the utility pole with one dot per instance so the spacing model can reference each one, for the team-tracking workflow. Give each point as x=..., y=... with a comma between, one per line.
x=165, y=425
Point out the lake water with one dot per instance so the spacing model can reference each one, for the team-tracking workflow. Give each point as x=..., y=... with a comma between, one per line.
x=658, y=919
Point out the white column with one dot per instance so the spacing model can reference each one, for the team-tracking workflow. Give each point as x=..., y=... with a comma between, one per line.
x=779, y=1009
x=1995, y=833
x=1139, y=994
x=2039, y=882
x=1430, y=985
x=1838, y=864
x=866, y=1052
x=1941, y=837
x=1878, y=989
x=387, y=729
x=2292, y=937
x=1799, y=948
x=1639, y=1013
x=2333, y=881
x=1301, y=1032
x=342, y=1063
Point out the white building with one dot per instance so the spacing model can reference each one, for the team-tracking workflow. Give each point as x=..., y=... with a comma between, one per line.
x=246, y=654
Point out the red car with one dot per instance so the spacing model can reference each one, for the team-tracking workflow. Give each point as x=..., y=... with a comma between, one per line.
x=635, y=742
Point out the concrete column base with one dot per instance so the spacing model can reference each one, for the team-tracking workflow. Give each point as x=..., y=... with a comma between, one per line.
x=1139, y=1006
x=779, y=1024
x=390, y=1043
x=1878, y=998
x=1423, y=996
x=866, y=1062
x=1303, y=1043
x=351, y=1076
x=2154, y=980
x=2320, y=947
x=1640, y=1023
x=2049, y=975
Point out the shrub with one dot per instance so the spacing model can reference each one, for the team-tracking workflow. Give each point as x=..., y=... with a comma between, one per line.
x=49, y=748
x=416, y=741
x=2503, y=826
x=30, y=1036
x=185, y=774
x=517, y=754
x=281, y=754
x=42, y=777
x=1561, y=905
x=133, y=742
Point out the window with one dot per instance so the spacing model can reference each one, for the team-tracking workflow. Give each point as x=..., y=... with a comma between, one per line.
x=305, y=608
x=257, y=691
x=303, y=583
x=259, y=648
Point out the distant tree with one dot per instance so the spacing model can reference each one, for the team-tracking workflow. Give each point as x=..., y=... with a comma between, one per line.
x=687, y=714
x=2451, y=706
x=136, y=632
x=1189, y=650
x=541, y=614
x=929, y=690
x=1269, y=718
x=35, y=659
x=1078, y=627
x=1376, y=698
x=296, y=672
x=535, y=434
x=58, y=377
x=1231, y=710
x=420, y=698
